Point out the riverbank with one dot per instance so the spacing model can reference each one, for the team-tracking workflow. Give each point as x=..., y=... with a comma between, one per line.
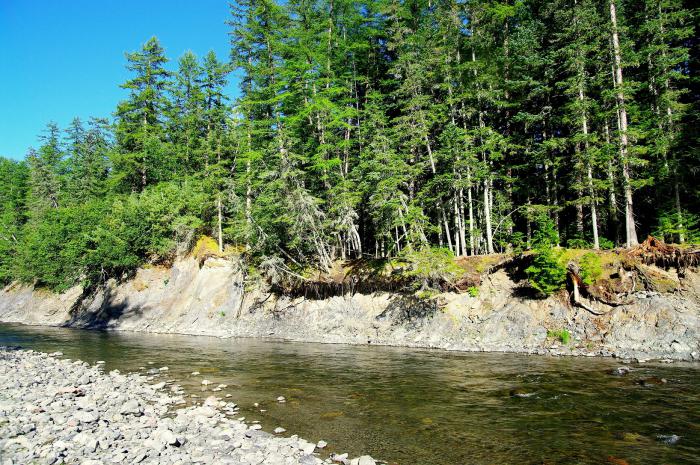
x=58, y=411
x=212, y=297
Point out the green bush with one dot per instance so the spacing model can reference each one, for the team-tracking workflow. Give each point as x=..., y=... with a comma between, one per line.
x=606, y=244
x=577, y=243
x=591, y=268
x=473, y=291
x=431, y=266
x=672, y=226
x=563, y=335
x=546, y=274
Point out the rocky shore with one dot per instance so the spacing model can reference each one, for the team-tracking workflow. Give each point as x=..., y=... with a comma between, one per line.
x=59, y=411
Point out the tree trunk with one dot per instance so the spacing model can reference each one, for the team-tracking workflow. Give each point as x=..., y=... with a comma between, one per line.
x=589, y=169
x=679, y=212
x=487, y=217
x=471, y=211
x=219, y=228
x=630, y=227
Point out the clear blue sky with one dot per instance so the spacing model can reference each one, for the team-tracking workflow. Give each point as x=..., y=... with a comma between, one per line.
x=65, y=58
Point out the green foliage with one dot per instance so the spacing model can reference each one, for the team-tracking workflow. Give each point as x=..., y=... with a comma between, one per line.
x=606, y=244
x=563, y=335
x=673, y=226
x=546, y=234
x=473, y=291
x=431, y=267
x=591, y=268
x=546, y=273
x=385, y=129
x=576, y=243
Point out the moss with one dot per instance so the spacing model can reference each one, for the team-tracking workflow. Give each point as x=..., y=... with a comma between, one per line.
x=591, y=268
x=206, y=247
x=426, y=294
x=479, y=263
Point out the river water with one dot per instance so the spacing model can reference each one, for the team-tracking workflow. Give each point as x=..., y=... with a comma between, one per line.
x=420, y=407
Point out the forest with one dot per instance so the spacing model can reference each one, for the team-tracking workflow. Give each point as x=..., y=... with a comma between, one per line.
x=370, y=129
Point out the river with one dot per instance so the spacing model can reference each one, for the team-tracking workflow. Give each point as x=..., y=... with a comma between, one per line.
x=417, y=406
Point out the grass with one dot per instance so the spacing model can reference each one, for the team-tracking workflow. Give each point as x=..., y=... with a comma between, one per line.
x=562, y=334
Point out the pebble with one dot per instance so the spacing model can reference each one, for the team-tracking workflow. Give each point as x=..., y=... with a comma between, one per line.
x=281, y=399
x=120, y=418
x=194, y=373
x=206, y=382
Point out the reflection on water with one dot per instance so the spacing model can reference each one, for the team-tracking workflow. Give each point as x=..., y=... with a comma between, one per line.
x=421, y=407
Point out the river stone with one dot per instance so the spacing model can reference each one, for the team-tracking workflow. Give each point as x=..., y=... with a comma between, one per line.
x=308, y=447
x=308, y=460
x=86, y=417
x=340, y=458
x=121, y=419
x=279, y=430
x=363, y=460
x=131, y=407
x=321, y=444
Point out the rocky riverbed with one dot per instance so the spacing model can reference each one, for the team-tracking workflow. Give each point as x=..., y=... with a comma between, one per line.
x=59, y=411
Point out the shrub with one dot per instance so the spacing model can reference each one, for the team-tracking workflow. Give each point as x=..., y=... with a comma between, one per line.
x=431, y=267
x=591, y=268
x=577, y=243
x=673, y=226
x=546, y=274
x=473, y=291
x=563, y=335
x=606, y=244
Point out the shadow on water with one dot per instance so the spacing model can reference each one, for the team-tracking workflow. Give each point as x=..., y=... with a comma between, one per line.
x=421, y=407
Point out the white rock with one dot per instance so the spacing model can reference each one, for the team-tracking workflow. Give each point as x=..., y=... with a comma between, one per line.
x=308, y=447
x=279, y=430
x=321, y=444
